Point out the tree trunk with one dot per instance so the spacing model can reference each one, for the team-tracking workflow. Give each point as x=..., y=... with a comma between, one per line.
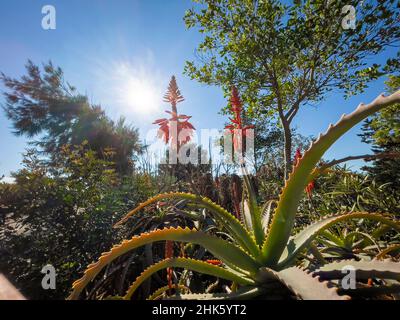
x=288, y=148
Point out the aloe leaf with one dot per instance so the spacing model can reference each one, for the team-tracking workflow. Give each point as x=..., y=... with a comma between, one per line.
x=191, y=264
x=244, y=293
x=292, y=193
x=304, y=237
x=329, y=235
x=221, y=249
x=317, y=254
x=156, y=294
x=380, y=231
x=386, y=269
x=372, y=291
x=254, y=210
x=391, y=249
x=227, y=220
x=266, y=212
x=305, y=286
x=366, y=239
x=245, y=215
x=114, y=298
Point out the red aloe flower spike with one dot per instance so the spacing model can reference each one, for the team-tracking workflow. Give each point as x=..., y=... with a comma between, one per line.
x=169, y=253
x=173, y=94
x=241, y=132
x=235, y=100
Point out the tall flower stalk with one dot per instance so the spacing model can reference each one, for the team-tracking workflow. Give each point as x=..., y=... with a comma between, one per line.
x=177, y=129
x=238, y=131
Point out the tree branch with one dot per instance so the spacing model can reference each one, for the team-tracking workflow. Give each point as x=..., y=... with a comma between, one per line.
x=366, y=157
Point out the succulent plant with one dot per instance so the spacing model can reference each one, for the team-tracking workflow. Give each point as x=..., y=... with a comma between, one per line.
x=260, y=256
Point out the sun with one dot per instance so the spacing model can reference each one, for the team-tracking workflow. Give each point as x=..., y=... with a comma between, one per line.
x=140, y=95
x=135, y=88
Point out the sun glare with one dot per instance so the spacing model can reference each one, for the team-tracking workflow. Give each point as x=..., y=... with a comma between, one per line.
x=141, y=96
x=136, y=90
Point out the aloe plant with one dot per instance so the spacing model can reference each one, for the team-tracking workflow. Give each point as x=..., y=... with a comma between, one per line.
x=260, y=259
x=349, y=245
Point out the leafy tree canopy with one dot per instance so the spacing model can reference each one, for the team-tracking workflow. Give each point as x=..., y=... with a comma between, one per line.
x=42, y=104
x=283, y=56
x=383, y=132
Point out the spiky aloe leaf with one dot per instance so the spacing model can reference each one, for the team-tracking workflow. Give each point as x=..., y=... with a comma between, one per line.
x=304, y=237
x=333, y=238
x=241, y=294
x=220, y=248
x=245, y=214
x=285, y=212
x=380, y=231
x=391, y=249
x=254, y=210
x=237, y=230
x=156, y=294
x=191, y=264
x=372, y=291
x=386, y=269
x=365, y=239
x=304, y=285
x=317, y=254
x=266, y=212
x=114, y=298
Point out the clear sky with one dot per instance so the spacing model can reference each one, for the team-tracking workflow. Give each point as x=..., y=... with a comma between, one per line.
x=121, y=53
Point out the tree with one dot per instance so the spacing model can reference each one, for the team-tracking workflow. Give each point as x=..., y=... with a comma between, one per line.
x=383, y=132
x=55, y=215
x=43, y=104
x=61, y=213
x=284, y=57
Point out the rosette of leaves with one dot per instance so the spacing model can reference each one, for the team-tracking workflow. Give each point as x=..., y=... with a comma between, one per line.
x=260, y=257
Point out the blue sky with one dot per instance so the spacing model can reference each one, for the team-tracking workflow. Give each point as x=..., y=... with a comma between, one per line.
x=110, y=49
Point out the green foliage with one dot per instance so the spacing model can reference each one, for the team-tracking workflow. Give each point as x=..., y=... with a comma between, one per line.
x=62, y=214
x=383, y=132
x=302, y=46
x=341, y=190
